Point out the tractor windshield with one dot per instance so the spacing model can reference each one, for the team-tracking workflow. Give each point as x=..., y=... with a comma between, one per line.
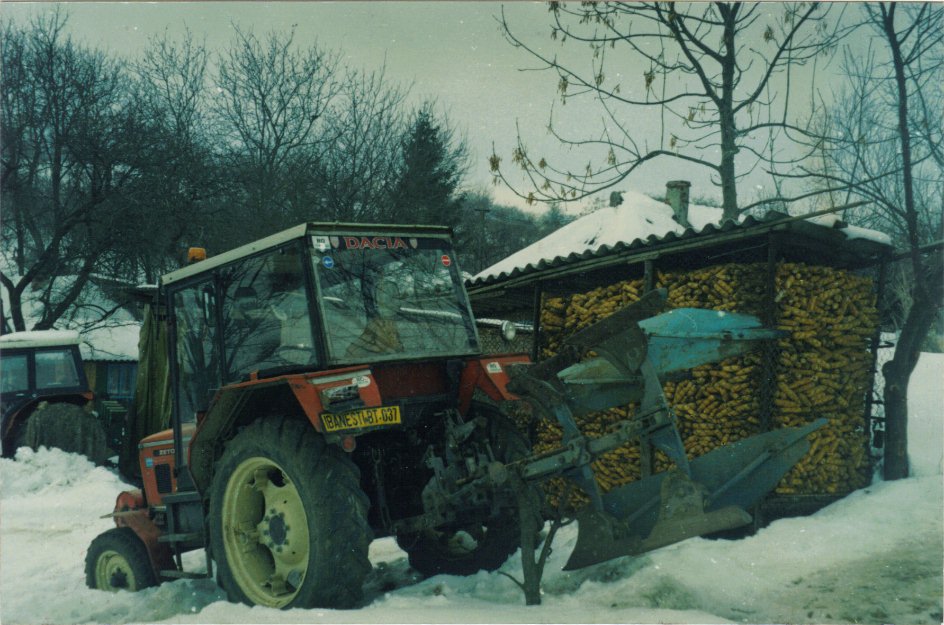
x=389, y=297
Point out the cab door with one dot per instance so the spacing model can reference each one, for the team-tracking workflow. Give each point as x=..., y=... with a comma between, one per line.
x=196, y=347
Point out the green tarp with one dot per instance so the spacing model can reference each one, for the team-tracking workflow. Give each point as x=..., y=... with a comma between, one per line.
x=151, y=409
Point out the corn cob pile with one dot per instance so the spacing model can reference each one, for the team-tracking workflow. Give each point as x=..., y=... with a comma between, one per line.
x=822, y=370
x=561, y=317
x=720, y=403
x=729, y=287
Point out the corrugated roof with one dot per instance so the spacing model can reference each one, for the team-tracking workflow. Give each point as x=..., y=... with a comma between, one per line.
x=531, y=261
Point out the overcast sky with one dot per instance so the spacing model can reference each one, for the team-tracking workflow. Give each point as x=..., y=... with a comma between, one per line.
x=453, y=52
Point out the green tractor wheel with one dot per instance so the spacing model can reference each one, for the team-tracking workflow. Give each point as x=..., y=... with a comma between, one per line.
x=288, y=520
x=118, y=560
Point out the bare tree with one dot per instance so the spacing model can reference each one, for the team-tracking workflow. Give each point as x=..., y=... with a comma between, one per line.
x=885, y=143
x=718, y=75
x=358, y=168
x=272, y=101
x=71, y=150
x=922, y=32
x=178, y=201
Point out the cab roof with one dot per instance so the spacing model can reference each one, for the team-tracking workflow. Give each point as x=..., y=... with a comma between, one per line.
x=299, y=231
x=39, y=338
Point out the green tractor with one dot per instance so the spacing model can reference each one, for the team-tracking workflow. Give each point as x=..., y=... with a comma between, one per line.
x=46, y=397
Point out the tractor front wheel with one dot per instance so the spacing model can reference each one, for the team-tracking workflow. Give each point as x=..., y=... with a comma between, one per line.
x=118, y=560
x=288, y=519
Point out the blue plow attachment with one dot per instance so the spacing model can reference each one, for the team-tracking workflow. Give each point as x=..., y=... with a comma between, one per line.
x=688, y=337
x=672, y=341
x=634, y=349
x=669, y=507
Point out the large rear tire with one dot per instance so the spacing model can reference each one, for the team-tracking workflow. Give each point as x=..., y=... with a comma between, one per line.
x=67, y=427
x=118, y=560
x=288, y=519
x=485, y=546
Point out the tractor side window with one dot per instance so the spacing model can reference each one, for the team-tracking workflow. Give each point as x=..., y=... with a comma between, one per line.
x=265, y=312
x=197, y=358
x=56, y=369
x=15, y=376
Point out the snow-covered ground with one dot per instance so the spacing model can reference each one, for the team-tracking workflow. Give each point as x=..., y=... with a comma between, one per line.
x=873, y=557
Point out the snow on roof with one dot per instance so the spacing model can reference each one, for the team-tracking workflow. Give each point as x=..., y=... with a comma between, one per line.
x=39, y=338
x=851, y=232
x=638, y=219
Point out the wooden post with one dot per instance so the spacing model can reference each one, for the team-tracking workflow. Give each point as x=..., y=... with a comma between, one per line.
x=768, y=381
x=645, y=447
x=536, y=322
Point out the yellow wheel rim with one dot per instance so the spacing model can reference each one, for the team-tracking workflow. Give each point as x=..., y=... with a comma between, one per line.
x=265, y=533
x=113, y=573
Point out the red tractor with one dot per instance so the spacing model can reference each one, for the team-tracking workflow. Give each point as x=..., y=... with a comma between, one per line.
x=327, y=388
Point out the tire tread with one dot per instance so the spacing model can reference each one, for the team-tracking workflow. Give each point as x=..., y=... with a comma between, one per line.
x=124, y=541
x=338, y=500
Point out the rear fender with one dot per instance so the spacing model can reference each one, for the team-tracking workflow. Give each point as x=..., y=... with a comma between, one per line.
x=131, y=510
x=240, y=404
x=490, y=375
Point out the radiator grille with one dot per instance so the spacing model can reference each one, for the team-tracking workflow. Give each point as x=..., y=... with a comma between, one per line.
x=162, y=474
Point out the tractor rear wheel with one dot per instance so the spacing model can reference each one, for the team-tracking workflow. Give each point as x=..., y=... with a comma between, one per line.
x=288, y=519
x=118, y=560
x=485, y=546
x=465, y=551
x=67, y=427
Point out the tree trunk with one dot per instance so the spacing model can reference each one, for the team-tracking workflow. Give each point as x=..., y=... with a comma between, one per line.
x=729, y=147
x=15, y=295
x=529, y=520
x=924, y=310
x=729, y=202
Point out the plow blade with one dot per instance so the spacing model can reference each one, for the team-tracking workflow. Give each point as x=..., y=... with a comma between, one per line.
x=669, y=507
x=685, y=338
x=672, y=341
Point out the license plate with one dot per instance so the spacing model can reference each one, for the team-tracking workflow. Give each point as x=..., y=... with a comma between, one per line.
x=365, y=418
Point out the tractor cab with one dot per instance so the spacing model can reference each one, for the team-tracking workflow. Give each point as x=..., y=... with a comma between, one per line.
x=315, y=297
x=38, y=365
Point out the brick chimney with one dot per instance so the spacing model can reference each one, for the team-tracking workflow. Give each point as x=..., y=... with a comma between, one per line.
x=676, y=195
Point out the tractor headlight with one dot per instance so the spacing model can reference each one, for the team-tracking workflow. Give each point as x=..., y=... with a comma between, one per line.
x=508, y=330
